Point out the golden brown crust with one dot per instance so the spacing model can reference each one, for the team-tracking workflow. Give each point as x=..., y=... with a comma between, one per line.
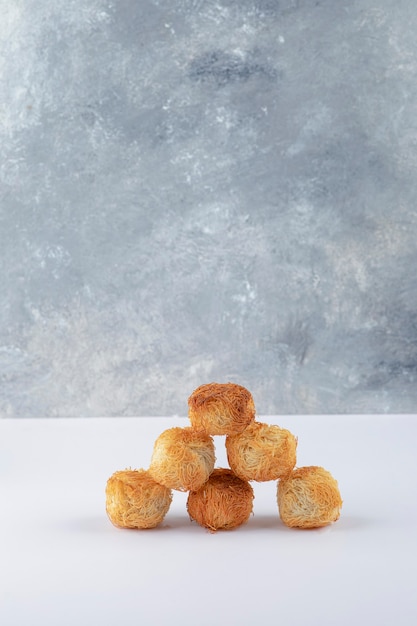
x=135, y=500
x=262, y=452
x=309, y=498
x=182, y=458
x=222, y=503
x=221, y=408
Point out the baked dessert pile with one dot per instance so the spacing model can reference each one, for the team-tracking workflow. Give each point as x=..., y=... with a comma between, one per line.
x=183, y=459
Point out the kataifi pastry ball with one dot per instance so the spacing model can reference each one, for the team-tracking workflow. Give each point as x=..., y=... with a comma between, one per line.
x=135, y=500
x=221, y=408
x=262, y=452
x=309, y=498
x=224, y=502
x=182, y=458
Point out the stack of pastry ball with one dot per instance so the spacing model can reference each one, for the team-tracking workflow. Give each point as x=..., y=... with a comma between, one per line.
x=183, y=459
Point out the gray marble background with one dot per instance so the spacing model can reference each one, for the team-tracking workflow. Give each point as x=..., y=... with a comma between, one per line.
x=196, y=191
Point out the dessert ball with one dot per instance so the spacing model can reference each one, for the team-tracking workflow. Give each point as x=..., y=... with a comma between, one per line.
x=221, y=408
x=135, y=500
x=182, y=459
x=261, y=452
x=223, y=503
x=309, y=498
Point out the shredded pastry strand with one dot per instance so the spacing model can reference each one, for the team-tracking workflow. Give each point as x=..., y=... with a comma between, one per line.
x=262, y=452
x=182, y=458
x=135, y=500
x=309, y=498
x=224, y=502
x=221, y=408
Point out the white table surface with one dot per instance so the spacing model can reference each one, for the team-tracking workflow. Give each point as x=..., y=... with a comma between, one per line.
x=63, y=563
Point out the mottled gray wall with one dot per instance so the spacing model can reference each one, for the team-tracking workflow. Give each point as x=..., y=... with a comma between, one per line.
x=195, y=191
